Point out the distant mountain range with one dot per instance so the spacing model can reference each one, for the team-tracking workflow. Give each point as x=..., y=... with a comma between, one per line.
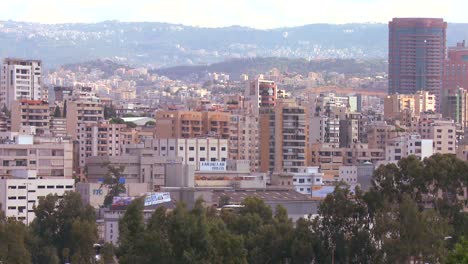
x=163, y=45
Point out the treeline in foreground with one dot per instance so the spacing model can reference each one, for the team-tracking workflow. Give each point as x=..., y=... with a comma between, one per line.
x=412, y=214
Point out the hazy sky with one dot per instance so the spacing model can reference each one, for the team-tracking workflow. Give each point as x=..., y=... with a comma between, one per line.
x=216, y=13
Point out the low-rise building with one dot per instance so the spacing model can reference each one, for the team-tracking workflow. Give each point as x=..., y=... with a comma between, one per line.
x=139, y=166
x=47, y=156
x=192, y=151
x=21, y=192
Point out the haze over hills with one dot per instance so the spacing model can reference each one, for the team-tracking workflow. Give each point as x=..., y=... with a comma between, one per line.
x=164, y=45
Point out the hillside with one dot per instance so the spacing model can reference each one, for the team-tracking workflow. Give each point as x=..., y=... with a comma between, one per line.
x=164, y=45
x=253, y=66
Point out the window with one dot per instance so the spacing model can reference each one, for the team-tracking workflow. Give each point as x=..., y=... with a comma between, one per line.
x=202, y=148
x=69, y=187
x=223, y=149
x=191, y=148
x=163, y=148
x=171, y=148
x=41, y=187
x=181, y=148
x=213, y=148
x=213, y=159
x=50, y=187
x=301, y=180
x=202, y=159
x=191, y=159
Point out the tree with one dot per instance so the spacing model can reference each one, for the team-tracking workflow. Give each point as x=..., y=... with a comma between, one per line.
x=113, y=183
x=131, y=124
x=13, y=236
x=109, y=112
x=107, y=253
x=344, y=227
x=408, y=234
x=56, y=227
x=460, y=253
x=150, y=124
x=64, y=108
x=131, y=233
x=57, y=113
x=116, y=120
x=157, y=235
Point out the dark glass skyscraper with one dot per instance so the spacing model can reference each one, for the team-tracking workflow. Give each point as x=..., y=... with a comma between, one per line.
x=416, y=55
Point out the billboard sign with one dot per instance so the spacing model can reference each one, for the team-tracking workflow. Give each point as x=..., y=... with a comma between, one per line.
x=212, y=166
x=157, y=198
x=122, y=200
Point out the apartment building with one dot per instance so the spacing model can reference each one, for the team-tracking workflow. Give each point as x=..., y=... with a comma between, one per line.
x=22, y=191
x=192, y=124
x=47, y=156
x=378, y=133
x=243, y=140
x=139, y=165
x=283, y=137
x=349, y=132
x=455, y=106
x=82, y=111
x=330, y=158
x=404, y=146
x=443, y=133
x=306, y=178
x=396, y=104
x=99, y=139
x=261, y=94
x=324, y=129
x=191, y=151
x=357, y=175
x=58, y=127
x=34, y=113
x=20, y=79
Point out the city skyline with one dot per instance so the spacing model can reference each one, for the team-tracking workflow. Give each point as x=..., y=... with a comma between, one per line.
x=207, y=13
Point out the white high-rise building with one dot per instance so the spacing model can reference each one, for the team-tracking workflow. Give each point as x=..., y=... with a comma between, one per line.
x=20, y=79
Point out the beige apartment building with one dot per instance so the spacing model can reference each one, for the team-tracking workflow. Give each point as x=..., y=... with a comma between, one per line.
x=83, y=111
x=416, y=103
x=283, y=137
x=47, y=156
x=443, y=133
x=243, y=141
x=378, y=133
x=330, y=158
x=30, y=113
x=192, y=124
x=99, y=139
